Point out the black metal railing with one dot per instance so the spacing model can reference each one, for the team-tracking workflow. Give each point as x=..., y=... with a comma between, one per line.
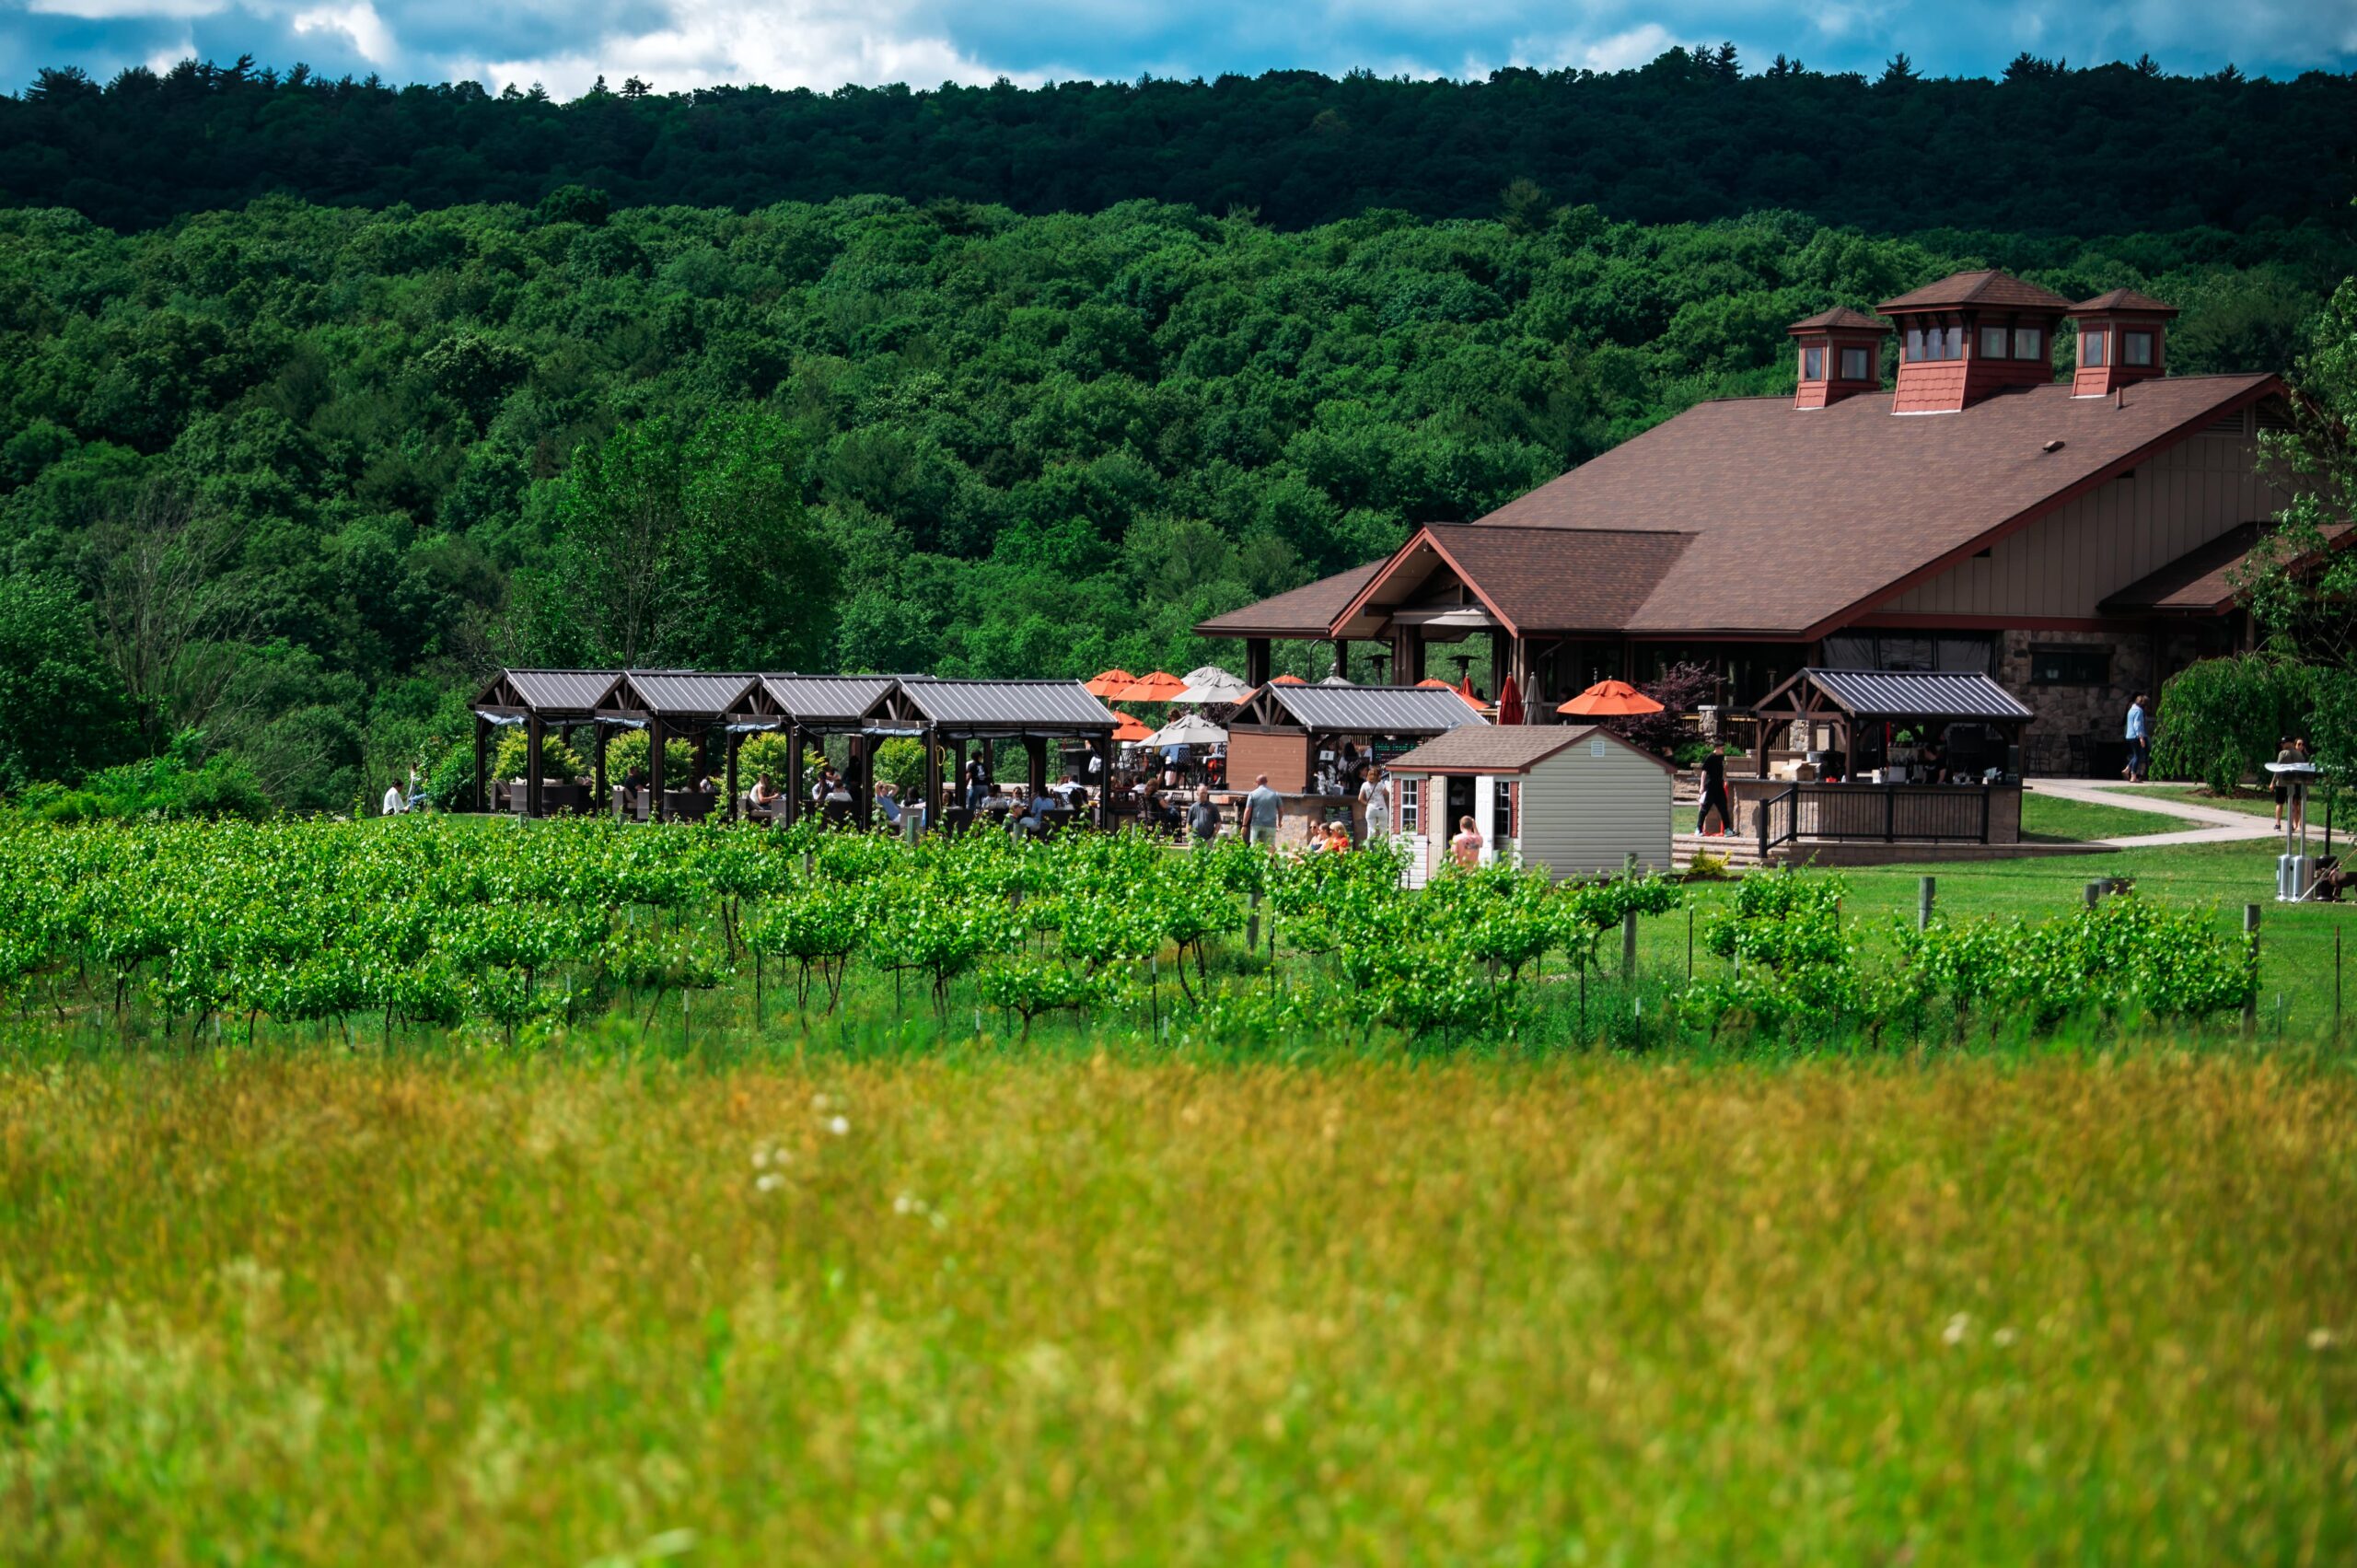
x=1779, y=819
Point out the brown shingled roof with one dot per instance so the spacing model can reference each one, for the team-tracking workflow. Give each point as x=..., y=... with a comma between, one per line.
x=1989, y=287
x=1505, y=749
x=2125, y=300
x=1305, y=612
x=1841, y=316
x=1798, y=521
x=2198, y=583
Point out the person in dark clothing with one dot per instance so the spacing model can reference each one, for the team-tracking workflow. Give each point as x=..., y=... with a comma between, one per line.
x=1714, y=794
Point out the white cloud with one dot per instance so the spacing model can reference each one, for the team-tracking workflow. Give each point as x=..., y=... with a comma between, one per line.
x=1616, y=52
x=808, y=43
x=359, y=23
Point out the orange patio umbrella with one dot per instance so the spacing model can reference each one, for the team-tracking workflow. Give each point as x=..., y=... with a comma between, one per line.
x=1609, y=698
x=1288, y=680
x=1159, y=687
x=1112, y=683
x=1132, y=729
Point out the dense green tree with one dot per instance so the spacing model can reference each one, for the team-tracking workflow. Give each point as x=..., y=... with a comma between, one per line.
x=66, y=713
x=2053, y=149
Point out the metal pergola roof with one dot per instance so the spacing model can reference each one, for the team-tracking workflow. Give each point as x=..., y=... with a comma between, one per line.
x=1363, y=710
x=816, y=702
x=550, y=694
x=1902, y=695
x=1006, y=707
x=683, y=693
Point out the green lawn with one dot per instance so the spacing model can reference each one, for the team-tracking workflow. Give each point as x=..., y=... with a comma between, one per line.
x=2257, y=803
x=2052, y=819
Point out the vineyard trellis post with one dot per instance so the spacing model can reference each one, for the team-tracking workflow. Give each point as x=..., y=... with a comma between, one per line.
x=2250, y=932
x=1926, y=892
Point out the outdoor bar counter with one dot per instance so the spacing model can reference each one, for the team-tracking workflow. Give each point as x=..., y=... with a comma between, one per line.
x=1890, y=813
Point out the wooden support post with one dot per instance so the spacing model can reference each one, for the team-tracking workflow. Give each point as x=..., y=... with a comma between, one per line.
x=1034, y=752
x=1926, y=890
x=934, y=809
x=1629, y=945
x=654, y=770
x=533, y=732
x=2094, y=892
x=482, y=763
x=793, y=772
x=1256, y=661
x=1343, y=657
x=601, y=800
x=730, y=745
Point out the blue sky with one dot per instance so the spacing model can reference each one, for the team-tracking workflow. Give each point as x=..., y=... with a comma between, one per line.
x=822, y=43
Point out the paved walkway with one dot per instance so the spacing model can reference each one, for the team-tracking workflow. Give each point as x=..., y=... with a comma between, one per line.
x=2217, y=824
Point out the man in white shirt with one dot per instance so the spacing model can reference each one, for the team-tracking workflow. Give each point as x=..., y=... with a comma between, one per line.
x=395, y=802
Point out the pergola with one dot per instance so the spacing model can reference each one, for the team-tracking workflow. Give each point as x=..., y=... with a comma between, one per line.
x=1034, y=711
x=867, y=708
x=535, y=699
x=1864, y=704
x=675, y=702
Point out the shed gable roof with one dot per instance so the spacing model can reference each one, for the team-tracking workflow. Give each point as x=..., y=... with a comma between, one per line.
x=1508, y=749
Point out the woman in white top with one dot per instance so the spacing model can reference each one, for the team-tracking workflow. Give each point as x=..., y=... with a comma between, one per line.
x=1376, y=792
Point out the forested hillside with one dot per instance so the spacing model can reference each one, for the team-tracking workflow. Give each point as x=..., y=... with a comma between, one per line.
x=294, y=475
x=2117, y=149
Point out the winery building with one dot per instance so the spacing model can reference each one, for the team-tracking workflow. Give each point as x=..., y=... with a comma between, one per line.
x=2074, y=540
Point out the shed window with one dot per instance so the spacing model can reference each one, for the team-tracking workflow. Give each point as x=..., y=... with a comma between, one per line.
x=1857, y=365
x=2091, y=349
x=1812, y=365
x=2077, y=665
x=1408, y=802
x=1992, y=343
x=2135, y=348
x=2028, y=342
x=1501, y=815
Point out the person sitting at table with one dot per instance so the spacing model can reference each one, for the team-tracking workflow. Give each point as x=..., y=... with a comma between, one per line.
x=888, y=802
x=1934, y=765
x=1167, y=816
x=1063, y=787
x=838, y=792
x=765, y=795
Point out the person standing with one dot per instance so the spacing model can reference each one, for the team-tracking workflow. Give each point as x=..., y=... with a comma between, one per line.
x=1376, y=793
x=2290, y=750
x=1262, y=810
x=1466, y=847
x=2139, y=742
x=1203, y=818
x=1714, y=794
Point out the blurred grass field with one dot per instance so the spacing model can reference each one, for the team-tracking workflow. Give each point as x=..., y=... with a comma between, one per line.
x=320, y=1306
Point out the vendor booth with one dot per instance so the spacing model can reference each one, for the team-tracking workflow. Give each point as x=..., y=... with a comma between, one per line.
x=1314, y=742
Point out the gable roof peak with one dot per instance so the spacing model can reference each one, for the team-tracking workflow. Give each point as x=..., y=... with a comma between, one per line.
x=2124, y=299
x=1841, y=318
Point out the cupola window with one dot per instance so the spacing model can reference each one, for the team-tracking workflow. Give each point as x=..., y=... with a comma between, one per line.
x=2136, y=348
x=2091, y=349
x=1857, y=365
x=2028, y=344
x=1812, y=364
x=1992, y=343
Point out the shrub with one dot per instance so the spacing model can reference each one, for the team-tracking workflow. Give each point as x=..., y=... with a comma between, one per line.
x=558, y=760
x=2221, y=719
x=900, y=760
x=770, y=753
x=632, y=749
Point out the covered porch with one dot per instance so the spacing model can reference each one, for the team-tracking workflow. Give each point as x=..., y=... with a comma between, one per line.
x=539, y=701
x=952, y=715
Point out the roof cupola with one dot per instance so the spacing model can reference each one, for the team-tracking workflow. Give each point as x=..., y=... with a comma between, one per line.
x=2120, y=341
x=1841, y=355
x=1965, y=337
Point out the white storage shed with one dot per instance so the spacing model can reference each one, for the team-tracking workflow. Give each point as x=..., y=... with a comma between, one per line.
x=1576, y=799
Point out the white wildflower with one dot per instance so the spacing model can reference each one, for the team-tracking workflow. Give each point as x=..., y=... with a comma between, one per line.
x=2322, y=1339
x=770, y=1182
x=1958, y=1325
x=819, y=1103
x=2004, y=1337
x=839, y=1126
x=761, y=1156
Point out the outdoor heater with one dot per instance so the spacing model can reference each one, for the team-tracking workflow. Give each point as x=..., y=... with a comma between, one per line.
x=2295, y=871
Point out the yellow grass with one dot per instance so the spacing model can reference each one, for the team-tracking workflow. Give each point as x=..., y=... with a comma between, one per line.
x=306, y=1310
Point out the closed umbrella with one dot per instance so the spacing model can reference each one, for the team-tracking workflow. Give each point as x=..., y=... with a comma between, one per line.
x=1609, y=698
x=1509, y=703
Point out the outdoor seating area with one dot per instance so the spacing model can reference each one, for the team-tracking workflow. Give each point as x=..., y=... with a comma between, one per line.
x=1919, y=758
